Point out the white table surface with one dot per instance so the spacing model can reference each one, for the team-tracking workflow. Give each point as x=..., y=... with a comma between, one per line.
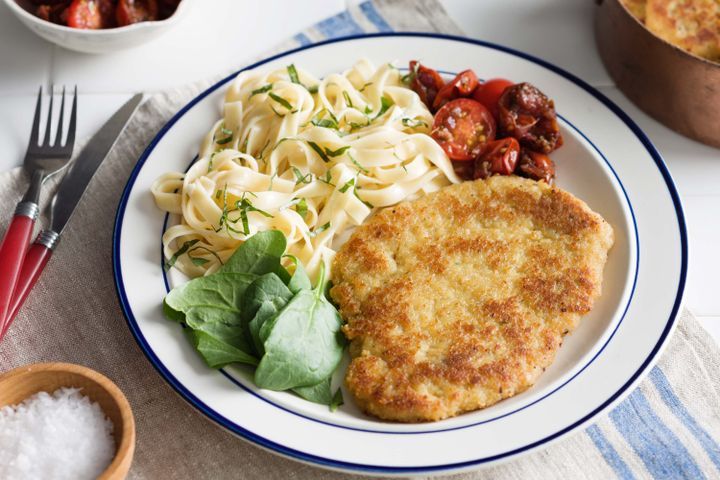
x=221, y=34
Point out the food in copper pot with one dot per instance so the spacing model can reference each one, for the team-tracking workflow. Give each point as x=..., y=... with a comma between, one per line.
x=693, y=25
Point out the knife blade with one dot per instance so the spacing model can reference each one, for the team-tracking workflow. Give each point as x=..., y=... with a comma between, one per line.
x=75, y=182
x=69, y=192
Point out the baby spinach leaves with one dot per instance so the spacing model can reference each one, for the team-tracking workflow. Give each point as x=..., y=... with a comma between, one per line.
x=253, y=311
x=302, y=344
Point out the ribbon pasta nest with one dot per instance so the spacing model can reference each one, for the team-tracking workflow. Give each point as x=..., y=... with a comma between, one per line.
x=312, y=158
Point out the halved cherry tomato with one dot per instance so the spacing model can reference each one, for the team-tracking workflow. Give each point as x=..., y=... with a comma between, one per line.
x=84, y=14
x=498, y=158
x=488, y=93
x=425, y=81
x=462, y=127
x=462, y=85
x=536, y=165
x=134, y=11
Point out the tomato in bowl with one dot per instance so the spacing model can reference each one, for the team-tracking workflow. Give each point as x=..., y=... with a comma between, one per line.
x=99, y=26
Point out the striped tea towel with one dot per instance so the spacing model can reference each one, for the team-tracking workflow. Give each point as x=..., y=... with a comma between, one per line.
x=668, y=428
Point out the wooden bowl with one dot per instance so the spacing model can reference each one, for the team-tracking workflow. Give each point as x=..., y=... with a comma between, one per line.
x=675, y=87
x=20, y=383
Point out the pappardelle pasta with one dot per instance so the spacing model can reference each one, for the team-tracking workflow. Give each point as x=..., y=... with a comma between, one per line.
x=309, y=157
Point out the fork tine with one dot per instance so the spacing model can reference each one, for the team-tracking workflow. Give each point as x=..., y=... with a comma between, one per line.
x=69, y=143
x=46, y=140
x=58, y=135
x=36, y=121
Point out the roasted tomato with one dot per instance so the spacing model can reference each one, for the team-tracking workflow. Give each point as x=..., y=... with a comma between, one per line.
x=134, y=11
x=488, y=93
x=84, y=14
x=53, y=12
x=167, y=7
x=462, y=127
x=497, y=158
x=524, y=112
x=536, y=165
x=462, y=85
x=426, y=82
x=107, y=12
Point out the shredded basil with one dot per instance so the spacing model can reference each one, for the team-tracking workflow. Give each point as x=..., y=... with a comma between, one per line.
x=301, y=208
x=292, y=73
x=365, y=86
x=281, y=101
x=349, y=184
x=366, y=203
x=319, y=151
x=327, y=179
x=357, y=126
x=357, y=164
x=263, y=89
x=385, y=104
x=331, y=122
x=300, y=178
x=348, y=101
x=181, y=251
x=207, y=250
x=319, y=230
x=313, y=89
x=408, y=78
x=413, y=122
x=338, y=152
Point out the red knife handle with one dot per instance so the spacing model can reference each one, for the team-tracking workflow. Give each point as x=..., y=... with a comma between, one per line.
x=12, y=252
x=37, y=257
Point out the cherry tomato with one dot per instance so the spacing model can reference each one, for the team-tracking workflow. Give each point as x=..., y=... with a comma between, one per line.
x=134, y=11
x=167, y=7
x=425, y=81
x=55, y=12
x=488, y=93
x=462, y=127
x=524, y=112
x=498, y=158
x=84, y=14
x=536, y=165
x=462, y=85
x=107, y=12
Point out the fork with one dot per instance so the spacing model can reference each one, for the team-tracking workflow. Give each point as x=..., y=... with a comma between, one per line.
x=41, y=162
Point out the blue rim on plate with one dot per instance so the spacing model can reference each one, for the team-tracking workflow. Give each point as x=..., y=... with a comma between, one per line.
x=326, y=462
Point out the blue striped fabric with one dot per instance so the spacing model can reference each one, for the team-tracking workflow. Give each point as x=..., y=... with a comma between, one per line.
x=636, y=435
x=609, y=453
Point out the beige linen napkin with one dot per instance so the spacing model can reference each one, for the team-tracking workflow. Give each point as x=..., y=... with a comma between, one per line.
x=73, y=315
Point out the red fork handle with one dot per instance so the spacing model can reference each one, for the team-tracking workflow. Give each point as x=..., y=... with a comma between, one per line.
x=12, y=252
x=37, y=257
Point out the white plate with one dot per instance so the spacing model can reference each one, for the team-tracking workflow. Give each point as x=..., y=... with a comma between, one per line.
x=606, y=160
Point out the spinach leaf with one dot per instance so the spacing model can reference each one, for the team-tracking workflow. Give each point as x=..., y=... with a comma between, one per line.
x=318, y=393
x=218, y=353
x=303, y=345
x=337, y=400
x=260, y=254
x=264, y=298
x=215, y=298
x=299, y=280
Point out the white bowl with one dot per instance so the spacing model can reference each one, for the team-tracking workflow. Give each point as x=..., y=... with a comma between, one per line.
x=97, y=41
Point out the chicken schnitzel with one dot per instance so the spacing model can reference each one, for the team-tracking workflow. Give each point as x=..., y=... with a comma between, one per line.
x=462, y=298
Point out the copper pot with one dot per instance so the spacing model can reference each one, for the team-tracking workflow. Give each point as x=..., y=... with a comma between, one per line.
x=677, y=88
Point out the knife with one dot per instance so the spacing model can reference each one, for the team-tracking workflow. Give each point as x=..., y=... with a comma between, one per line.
x=71, y=189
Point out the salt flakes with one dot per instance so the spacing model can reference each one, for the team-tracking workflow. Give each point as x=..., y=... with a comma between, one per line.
x=59, y=436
